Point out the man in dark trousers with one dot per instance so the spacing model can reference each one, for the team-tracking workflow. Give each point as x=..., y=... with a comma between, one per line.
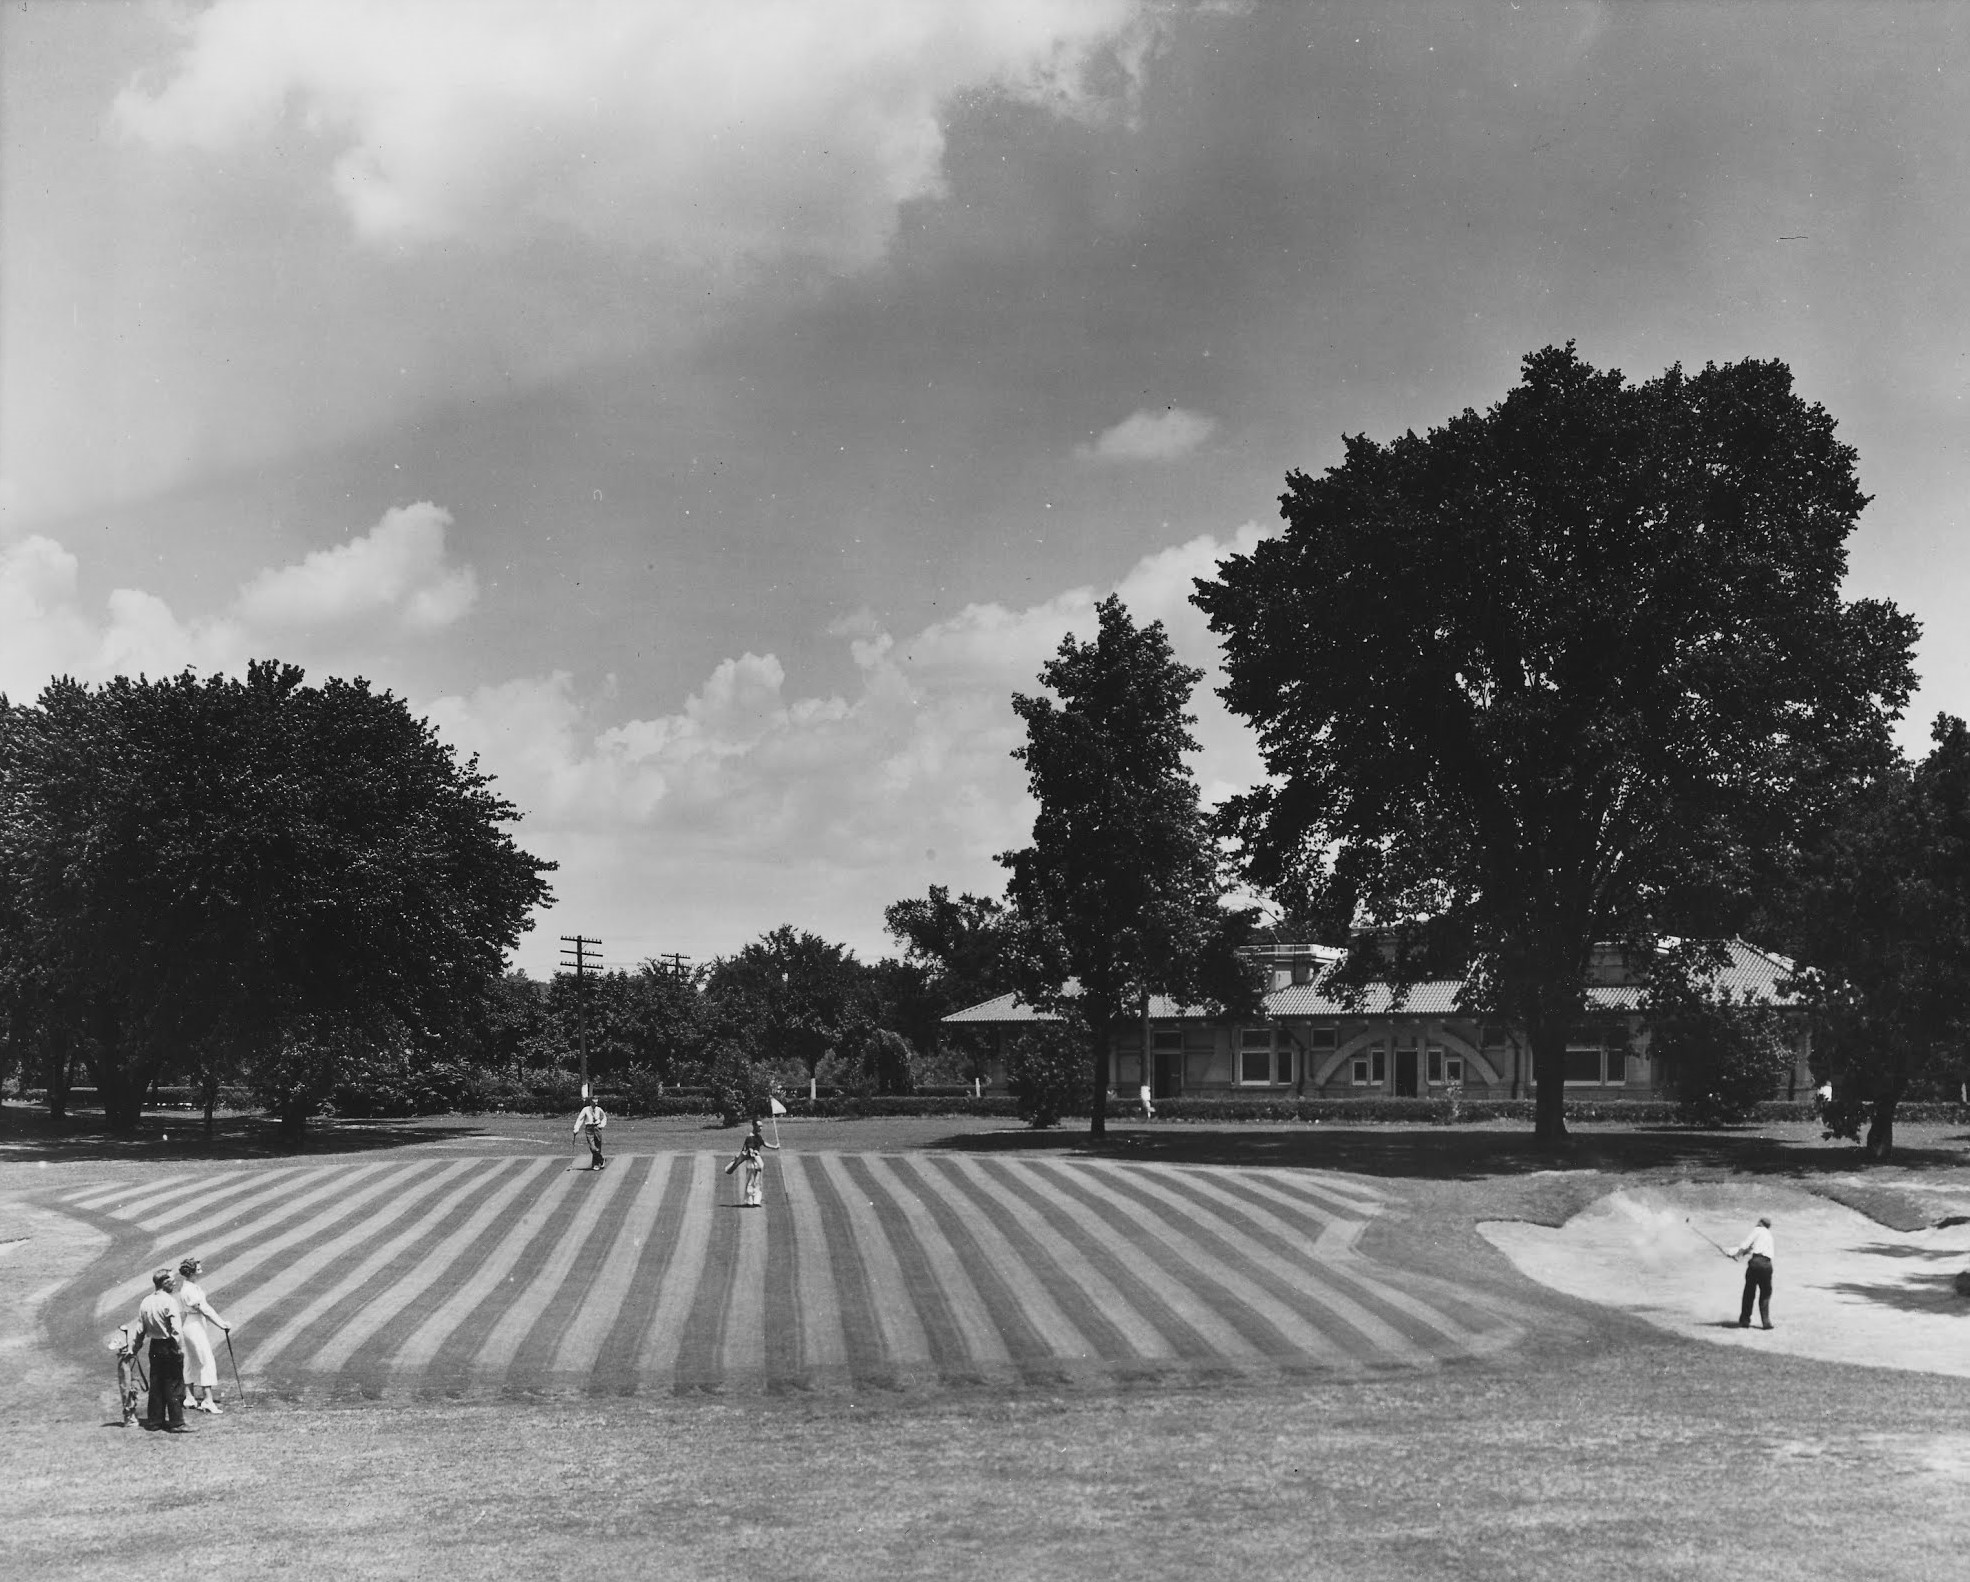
x=588, y=1125
x=158, y=1324
x=1757, y=1272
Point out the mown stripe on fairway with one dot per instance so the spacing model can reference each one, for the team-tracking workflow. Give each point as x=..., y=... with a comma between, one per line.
x=1029, y=1323
x=409, y=1298
x=780, y=1320
x=663, y=1326
x=901, y=1328
x=741, y=1356
x=601, y=1339
x=1109, y=1328
x=134, y=1199
x=1241, y=1319
x=307, y=1319
x=694, y=1363
x=823, y=1349
x=542, y=1344
x=259, y=1207
x=214, y=1229
x=442, y=1342
x=870, y=1359
x=158, y=1211
x=246, y=1303
x=1349, y=1332
x=562, y=1243
x=239, y=1257
x=954, y=1317
x=1332, y=1257
x=1185, y=1327
x=1284, y=1265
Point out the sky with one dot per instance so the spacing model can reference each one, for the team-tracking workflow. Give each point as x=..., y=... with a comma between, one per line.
x=711, y=415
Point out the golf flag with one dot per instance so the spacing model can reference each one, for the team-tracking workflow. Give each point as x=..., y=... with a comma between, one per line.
x=778, y=1107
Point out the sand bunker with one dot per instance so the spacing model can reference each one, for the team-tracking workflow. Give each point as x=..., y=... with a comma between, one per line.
x=1847, y=1289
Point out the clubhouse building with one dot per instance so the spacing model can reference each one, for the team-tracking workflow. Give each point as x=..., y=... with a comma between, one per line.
x=1309, y=1044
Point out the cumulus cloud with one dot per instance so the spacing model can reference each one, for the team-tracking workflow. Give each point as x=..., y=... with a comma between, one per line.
x=761, y=129
x=397, y=568
x=393, y=582
x=753, y=799
x=1150, y=436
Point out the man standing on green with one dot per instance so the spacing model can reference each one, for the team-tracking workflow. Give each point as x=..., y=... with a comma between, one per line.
x=589, y=1124
x=158, y=1323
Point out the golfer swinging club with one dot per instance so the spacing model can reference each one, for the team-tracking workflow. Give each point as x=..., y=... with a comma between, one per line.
x=1757, y=1272
x=589, y=1124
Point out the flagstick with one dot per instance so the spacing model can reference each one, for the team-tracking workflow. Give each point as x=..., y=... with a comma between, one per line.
x=786, y=1192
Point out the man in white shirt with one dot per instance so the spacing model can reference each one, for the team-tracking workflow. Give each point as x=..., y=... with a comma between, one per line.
x=589, y=1123
x=1757, y=1272
x=158, y=1324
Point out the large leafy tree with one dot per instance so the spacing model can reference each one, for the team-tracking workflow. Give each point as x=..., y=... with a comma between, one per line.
x=251, y=870
x=1120, y=895
x=1575, y=668
x=791, y=994
x=1879, y=916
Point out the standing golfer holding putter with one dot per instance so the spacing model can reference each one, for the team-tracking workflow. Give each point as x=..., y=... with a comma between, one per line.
x=1757, y=1272
x=589, y=1124
x=201, y=1366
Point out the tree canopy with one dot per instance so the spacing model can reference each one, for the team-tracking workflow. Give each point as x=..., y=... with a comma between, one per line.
x=1879, y=915
x=250, y=869
x=1575, y=668
x=1121, y=889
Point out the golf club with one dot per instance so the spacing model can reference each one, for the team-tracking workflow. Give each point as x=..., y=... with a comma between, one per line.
x=234, y=1360
x=1706, y=1238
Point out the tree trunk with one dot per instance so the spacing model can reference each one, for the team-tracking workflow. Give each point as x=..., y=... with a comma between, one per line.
x=1548, y=1042
x=1881, y=1127
x=58, y=1070
x=294, y=1123
x=1098, y=1106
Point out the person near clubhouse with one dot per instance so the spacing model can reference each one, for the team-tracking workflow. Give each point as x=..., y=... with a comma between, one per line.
x=201, y=1363
x=589, y=1124
x=159, y=1326
x=1760, y=1248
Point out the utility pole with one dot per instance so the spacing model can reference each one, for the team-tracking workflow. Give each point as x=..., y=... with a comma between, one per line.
x=585, y=956
x=677, y=962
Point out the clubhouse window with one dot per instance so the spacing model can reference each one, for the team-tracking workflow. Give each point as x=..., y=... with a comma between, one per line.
x=1259, y=1062
x=1371, y=1068
x=1592, y=1065
x=1321, y=1039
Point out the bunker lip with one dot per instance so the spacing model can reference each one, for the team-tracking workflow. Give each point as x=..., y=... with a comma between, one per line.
x=1848, y=1289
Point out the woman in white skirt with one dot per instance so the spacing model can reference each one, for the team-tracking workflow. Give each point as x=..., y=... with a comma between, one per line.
x=201, y=1365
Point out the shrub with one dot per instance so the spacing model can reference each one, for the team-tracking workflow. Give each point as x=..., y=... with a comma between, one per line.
x=740, y=1088
x=1722, y=1058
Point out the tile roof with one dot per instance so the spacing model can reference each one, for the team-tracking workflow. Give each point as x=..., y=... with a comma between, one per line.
x=1750, y=973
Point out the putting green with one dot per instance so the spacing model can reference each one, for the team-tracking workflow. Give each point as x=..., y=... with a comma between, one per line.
x=471, y=1275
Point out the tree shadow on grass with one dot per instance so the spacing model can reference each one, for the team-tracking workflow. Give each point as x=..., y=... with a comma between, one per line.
x=30, y=1136
x=1445, y=1153
x=1925, y=1293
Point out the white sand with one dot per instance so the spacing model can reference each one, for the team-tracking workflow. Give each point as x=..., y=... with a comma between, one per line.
x=1846, y=1289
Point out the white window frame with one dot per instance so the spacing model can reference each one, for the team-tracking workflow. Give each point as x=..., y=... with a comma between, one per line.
x=1248, y=1045
x=1358, y=1071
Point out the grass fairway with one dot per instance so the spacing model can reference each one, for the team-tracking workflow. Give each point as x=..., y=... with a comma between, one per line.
x=947, y=1351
